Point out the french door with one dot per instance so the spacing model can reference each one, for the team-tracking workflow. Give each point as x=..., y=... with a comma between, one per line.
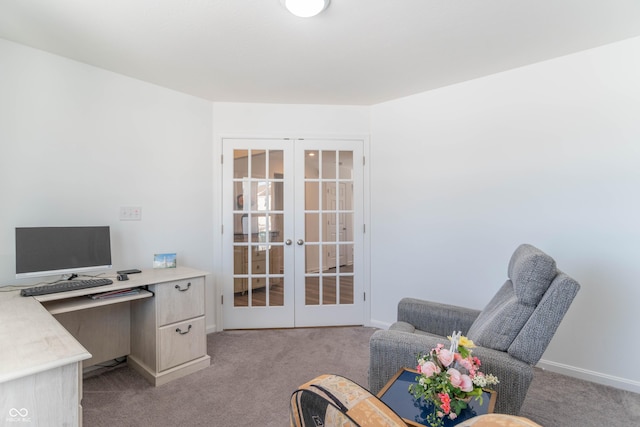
x=292, y=233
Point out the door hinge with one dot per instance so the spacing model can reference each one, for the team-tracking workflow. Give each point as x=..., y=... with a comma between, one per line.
x=364, y=296
x=364, y=161
x=221, y=299
x=364, y=228
x=221, y=159
x=222, y=229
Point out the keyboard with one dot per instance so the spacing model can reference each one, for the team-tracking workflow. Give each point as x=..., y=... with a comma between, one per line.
x=64, y=286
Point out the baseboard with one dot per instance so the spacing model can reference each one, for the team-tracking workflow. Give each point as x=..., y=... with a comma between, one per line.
x=596, y=377
x=378, y=324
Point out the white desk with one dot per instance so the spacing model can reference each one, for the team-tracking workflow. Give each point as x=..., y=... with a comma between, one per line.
x=45, y=341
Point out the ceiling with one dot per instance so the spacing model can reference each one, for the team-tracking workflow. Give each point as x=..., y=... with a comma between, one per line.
x=357, y=52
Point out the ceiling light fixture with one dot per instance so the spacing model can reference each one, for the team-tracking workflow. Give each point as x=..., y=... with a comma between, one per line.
x=305, y=8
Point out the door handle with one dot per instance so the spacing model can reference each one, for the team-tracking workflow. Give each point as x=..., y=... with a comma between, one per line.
x=300, y=242
x=288, y=242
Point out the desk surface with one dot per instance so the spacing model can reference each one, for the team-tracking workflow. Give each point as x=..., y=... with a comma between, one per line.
x=33, y=341
x=396, y=395
x=147, y=277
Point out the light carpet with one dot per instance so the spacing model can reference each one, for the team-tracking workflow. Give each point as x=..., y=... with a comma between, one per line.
x=254, y=372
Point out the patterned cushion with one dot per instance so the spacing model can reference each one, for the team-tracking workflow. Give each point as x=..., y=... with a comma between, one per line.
x=530, y=274
x=498, y=420
x=333, y=400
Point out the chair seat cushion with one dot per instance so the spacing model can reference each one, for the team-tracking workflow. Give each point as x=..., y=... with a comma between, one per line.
x=530, y=271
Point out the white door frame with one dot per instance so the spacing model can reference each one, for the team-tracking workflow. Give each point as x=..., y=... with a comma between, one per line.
x=214, y=290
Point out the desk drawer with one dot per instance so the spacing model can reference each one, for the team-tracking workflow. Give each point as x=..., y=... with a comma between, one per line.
x=259, y=267
x=257, y=255
x=181, y=342
x=179, y=300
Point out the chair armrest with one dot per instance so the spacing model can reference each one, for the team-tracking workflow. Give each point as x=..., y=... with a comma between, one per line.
x=389, y=351
x=515, y=377
x=436, y=318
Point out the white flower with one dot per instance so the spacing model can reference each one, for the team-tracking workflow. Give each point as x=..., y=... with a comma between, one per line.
x=491, y=379
x=482, y=380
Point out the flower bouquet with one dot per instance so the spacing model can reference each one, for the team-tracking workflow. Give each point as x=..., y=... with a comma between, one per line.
x=450, y=378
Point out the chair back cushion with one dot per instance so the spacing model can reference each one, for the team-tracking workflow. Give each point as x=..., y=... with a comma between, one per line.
x=530, y=273
x=536, y=334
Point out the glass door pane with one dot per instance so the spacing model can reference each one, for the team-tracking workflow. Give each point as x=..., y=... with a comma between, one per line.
x=258, y=220
x=328, y=227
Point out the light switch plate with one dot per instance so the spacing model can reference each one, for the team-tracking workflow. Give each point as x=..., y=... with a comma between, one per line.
x=130, y=213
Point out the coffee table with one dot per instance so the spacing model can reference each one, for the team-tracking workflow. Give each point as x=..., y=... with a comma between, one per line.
x=415, y=411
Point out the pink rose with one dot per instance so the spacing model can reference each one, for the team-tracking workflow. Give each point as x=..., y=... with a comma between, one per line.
x=455, y=377
x=428, y=369
x=445, y=357
x=466, y=363
x=466, y=384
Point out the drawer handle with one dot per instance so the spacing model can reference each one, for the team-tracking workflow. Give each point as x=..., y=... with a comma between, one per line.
x=185, y=289
x=178, y=330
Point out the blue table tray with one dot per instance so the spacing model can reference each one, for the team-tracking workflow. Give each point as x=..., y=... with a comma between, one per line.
x=415, y=411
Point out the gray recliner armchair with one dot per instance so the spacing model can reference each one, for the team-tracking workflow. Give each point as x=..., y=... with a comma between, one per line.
x=511, y=333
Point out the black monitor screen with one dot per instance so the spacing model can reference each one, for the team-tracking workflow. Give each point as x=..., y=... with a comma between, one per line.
x=42, y=251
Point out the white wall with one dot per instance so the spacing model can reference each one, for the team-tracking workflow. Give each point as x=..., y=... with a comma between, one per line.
x=291, y=121
x=547, y=154
x=77, y=143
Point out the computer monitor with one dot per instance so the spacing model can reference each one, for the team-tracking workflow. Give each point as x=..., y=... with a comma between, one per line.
x=47, y=251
